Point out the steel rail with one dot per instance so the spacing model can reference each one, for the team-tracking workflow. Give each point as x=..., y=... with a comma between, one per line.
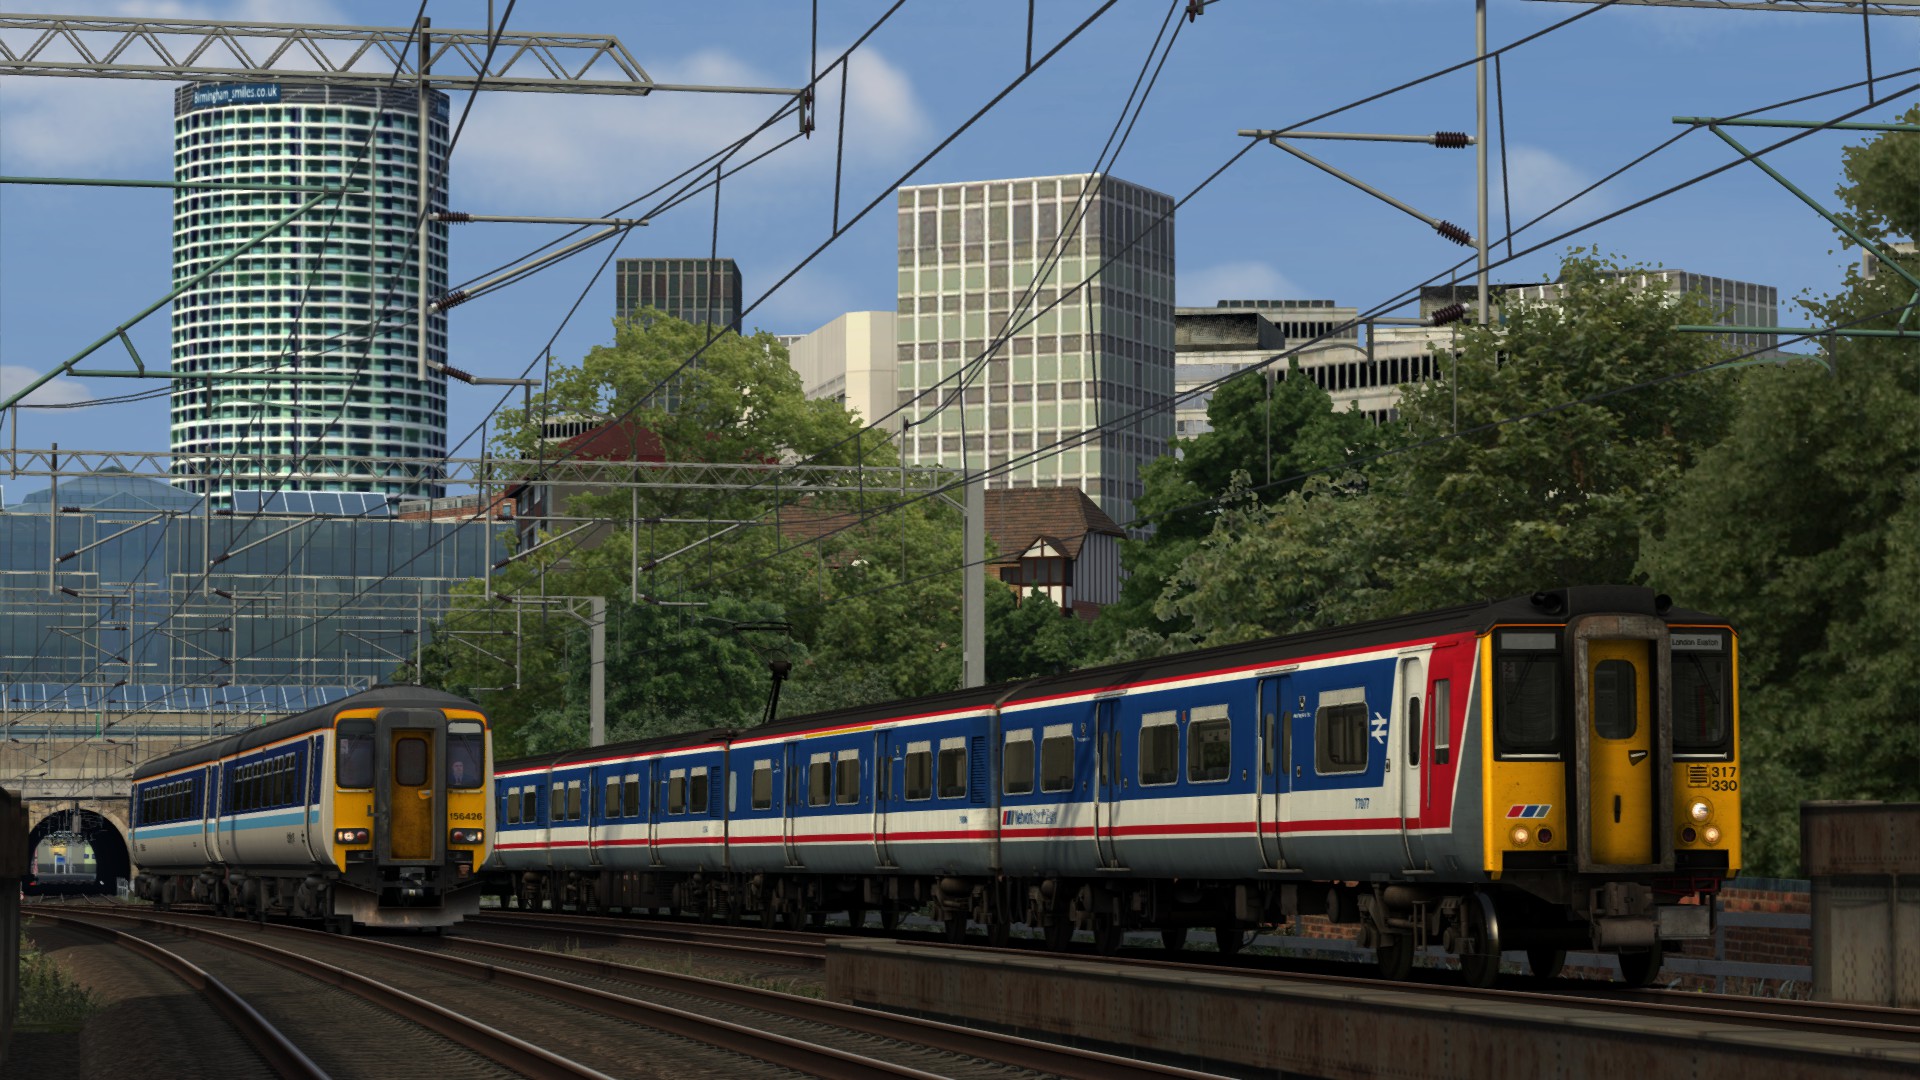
x=1012, y=1050
x=687, y=940
x=503, y=1049
x=782, y=1050
x=278, y=1051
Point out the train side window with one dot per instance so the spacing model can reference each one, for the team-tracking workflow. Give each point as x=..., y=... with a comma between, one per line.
x=530, y=804
x=1442, y=699
x=575, y=811
x=1616, y=713
x=697, y=791
x=630, y=804
x=610, y=799
x=953, y=768
x=1016, y=763
x=466, y=754
x=1527, y=691
x=1159, y=748
x=1056, y=758
x=919, y=771
x=846, y=782
x=819, y=780
x=512, y=801
x=677, y=791
x=762, y=790
x=1413, y=730
x=1209, y=745
x=556, y=802
x=354, y=766
x=1340, y=732
x=410, y=762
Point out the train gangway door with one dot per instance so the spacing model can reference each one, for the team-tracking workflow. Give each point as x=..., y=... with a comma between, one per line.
x=1271, y=783
x=1404, y=742
x=411, y=800
x=1107, y=779
x=1622, y=772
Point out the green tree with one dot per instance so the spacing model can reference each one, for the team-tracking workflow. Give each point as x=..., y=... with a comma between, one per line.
x=1277, y=431
x=1571, y=437
x=1803, y=528
x=1031, y=637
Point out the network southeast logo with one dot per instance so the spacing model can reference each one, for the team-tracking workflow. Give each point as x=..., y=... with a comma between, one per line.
x=1530, y=810
x=1045, y=815
x=235, y=94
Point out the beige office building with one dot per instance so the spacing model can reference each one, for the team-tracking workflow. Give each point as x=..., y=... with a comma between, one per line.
x=850, y=360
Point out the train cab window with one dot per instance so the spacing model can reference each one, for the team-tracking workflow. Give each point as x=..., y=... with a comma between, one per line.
x=512, y=801
x=953, y=768
x=1442, y=720
x=846, y=782
x=1340, y=732
x=353, y=767
x=1701, y=688
x=697, y=791
x=466, y=754
x=919, y=771
x=762, y=790
x=1526, y=701
x=1209, y=745
x=1616, y=713
x=1159, y=748
x=610, y=799
x=819, y=780
x=630, y=801
x=677, y=792
x=1016, y=763
x=410, y=762
x=530, y=804
x=1056, y=758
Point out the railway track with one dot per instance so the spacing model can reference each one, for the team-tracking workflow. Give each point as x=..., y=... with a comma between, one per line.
x=783, y=1031
x=1840, y=1020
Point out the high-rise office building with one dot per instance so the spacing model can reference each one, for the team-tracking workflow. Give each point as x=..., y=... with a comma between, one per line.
x=697, y=290
x=1100, y=362
x=333, y=291
x=1735, y=303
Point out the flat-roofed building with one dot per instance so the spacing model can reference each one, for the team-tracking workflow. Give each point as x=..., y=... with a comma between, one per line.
x=850, y=360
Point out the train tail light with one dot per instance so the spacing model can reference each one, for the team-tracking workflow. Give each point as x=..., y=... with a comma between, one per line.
x=352, y=836
x=466, y=836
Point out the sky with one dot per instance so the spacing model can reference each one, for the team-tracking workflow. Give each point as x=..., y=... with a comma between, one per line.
x=1578, y=103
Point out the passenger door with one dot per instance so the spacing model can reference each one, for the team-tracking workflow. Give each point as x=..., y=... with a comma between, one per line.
x=594, y=801
x=1408, y=746
x=1271, y=782
x=1622, y=773
x=1106, y=780
x=885, y=749
x=210, y=815
x=790, y=755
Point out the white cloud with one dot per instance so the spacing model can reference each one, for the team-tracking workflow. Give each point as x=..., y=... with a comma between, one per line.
x=597, y=150
x=1234, y=281
x=58, y=392
x=1539, y=180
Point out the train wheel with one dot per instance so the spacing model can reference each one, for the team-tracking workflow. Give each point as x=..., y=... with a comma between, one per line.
x=889, y=917
x=1641, y=968
x=1059, y=933
x=1480, y=961
x=956, y=929
x=1546, y=962
x=1229, y=940
x=1173, y=938
x=1108, y=935
x=1394, y=954
x=999, y=933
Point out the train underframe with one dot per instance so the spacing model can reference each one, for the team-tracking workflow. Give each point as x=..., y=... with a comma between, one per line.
x=366, y=896
x=1545, y=919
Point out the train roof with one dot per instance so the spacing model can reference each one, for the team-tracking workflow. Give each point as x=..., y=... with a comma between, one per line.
x=299, y=723
x=651, y=744
x=1549, y=606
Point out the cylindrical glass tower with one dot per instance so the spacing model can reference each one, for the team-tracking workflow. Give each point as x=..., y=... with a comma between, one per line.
x=336, y=290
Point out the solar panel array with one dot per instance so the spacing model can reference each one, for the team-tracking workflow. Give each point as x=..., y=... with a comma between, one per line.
x=330, y=503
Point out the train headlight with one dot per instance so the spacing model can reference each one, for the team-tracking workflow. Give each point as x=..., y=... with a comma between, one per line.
x=1700, y=811
x=352, y=836
x=466, y=836
x=1711, y=834
x=1520, y=834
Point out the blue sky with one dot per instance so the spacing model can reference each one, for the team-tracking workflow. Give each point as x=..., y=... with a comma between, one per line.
x=74, y=262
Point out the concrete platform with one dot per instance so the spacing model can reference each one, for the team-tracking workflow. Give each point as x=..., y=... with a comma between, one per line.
x=1276, y=1026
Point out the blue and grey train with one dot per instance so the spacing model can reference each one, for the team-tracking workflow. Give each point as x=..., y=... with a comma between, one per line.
x=369, y=811
x=1544, y=773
